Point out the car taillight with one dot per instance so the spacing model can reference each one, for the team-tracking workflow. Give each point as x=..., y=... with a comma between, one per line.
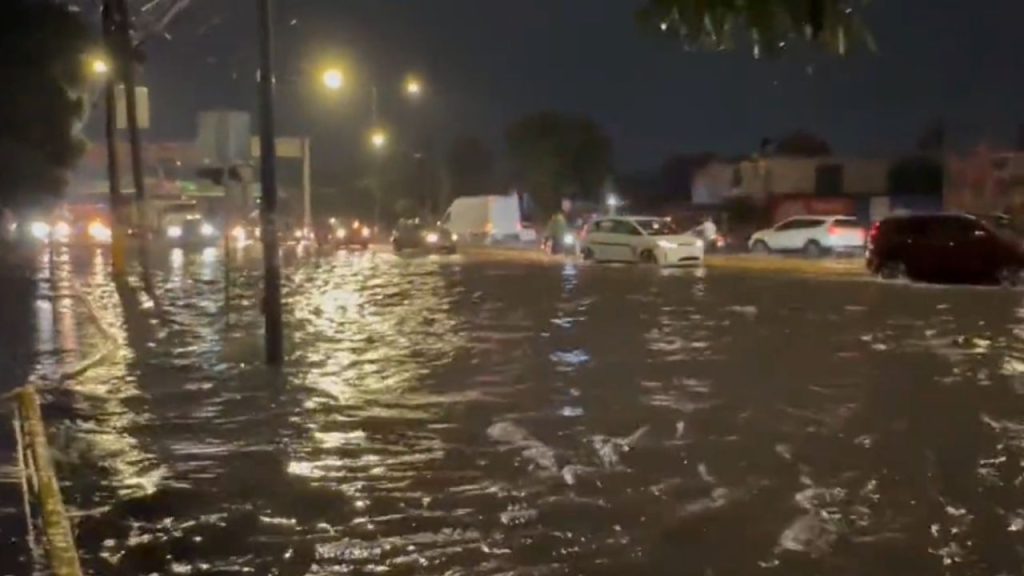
x=833, y=231
x=874, y=232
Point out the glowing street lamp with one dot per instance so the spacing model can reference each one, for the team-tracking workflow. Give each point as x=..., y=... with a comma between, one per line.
x=413, y=87
x=333, y=79
x=379, y=139
x=99, y=66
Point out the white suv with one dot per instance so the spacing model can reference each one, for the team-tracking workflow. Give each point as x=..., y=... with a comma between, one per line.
x=812, y=235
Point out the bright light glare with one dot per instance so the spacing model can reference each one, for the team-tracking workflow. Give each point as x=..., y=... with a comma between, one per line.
x=238, y=233
x=40, y=230
x=366, y=232
x=432, y=238
x=61, y=232
x=454, y=236
x=378, y=138
x=99, y=232
x=413, y=87
x=99, y=66
x=613, y=200
x=207, y=230
x=174, y=231
x=333, y=79
x=569, y=239
x=341, y=233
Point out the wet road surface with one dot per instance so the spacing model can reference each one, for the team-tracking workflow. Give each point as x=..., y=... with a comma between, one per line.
x=445, y=416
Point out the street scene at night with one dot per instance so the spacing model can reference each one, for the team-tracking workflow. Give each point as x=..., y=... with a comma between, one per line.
x=653, y=287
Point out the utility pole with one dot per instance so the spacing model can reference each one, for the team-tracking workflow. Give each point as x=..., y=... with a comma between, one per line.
x=117, y=249
x=126, y=66
x=274, y=329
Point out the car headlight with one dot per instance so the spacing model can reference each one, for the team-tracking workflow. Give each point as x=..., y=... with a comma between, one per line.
x=40, y=230
x=667, y=244
x=99, y=232
x=431, y=238
x=454, y=236
x=569, y=239
x=207, y=230
x=366, y=232
x=698, y=243
x=61, y=231
x=238, y=233
x=341, y=233
x=174, y=231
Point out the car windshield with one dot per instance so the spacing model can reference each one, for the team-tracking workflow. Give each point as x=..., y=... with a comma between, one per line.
x=655, y=227
x=1002, y=226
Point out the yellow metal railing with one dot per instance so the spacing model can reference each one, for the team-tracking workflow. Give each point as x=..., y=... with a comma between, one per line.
x=40, y=487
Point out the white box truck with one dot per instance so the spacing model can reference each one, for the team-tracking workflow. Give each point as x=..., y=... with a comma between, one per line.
x=485, y=218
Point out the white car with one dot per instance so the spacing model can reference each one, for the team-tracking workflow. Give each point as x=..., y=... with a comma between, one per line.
x=812, y=235
x=640, y=239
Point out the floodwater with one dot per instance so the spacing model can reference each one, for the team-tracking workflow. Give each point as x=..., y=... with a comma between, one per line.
x=456, y=417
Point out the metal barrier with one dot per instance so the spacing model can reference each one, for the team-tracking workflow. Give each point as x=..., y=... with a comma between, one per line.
x=42, y=499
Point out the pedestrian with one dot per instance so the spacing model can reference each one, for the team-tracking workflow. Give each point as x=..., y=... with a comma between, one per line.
x=708, y=229
x=555, y=233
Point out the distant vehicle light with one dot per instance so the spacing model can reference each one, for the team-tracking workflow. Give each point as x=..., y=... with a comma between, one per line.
x=366, y=232
x=341, y=233
x=455, y=237
x=238, y=234
x=40, y=230
x=355, y=224
x=61, y=231
x=99, y=231
x=698, y=243
x=432, y=238
x=207, y=230
x=568, y=239
x=174, y=232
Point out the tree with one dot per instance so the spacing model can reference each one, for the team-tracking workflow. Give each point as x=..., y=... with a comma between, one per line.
x=769, y=26
x=470, y=167
x=556, y=156
x=802, y=143
x=42, y=106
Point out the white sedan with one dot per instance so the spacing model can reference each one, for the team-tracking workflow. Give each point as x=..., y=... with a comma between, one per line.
x=812, y=235
x=640, y=239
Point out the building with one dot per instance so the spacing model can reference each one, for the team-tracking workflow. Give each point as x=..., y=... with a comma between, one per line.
x=985, y=181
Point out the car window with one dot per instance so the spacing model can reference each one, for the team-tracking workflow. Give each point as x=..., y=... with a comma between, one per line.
x=624, y=227
x=657, y=227
x=799, y=224
x=604, y=226
x=846, y=223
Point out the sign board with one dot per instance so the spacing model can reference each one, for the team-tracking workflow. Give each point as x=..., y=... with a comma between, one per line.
x=287, y=147
x=224, y=137
x=141, y=107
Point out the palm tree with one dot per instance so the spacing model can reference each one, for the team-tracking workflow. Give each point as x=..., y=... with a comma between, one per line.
x=768, y=25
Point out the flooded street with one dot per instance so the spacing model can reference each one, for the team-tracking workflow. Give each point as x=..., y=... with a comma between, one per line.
x=453, y=416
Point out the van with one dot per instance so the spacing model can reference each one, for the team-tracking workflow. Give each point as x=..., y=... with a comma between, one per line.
x=948, y=248
x=484, y=218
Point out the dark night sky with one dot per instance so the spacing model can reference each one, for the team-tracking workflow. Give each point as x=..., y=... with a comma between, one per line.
x=489, y=61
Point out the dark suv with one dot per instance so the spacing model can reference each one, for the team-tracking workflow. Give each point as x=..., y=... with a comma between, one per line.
x=953, y=248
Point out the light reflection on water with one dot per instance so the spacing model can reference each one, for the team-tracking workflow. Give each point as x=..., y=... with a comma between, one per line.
x=445, y=417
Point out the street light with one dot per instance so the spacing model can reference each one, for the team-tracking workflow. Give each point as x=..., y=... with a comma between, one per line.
x=413, y=87
x=378, y=138
x=99, y=66
x=333, y=79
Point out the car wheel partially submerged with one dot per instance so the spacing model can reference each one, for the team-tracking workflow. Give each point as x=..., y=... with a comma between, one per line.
x=892, y=270
x=1010, y=277
x=813, y=249
x=648, y=257
x=587, y=254
x=760, y=247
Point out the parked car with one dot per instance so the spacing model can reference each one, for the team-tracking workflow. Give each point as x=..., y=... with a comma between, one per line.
x=639, y=239
x=953, y=248
x=416, y=235
x=813, y=235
